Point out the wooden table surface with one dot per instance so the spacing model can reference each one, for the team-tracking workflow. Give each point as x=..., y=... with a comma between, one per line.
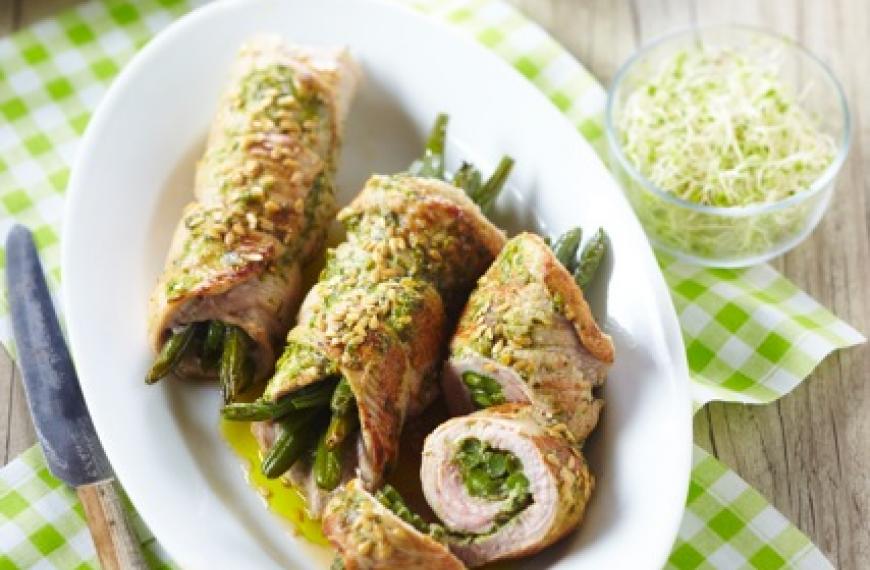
x=809, y=453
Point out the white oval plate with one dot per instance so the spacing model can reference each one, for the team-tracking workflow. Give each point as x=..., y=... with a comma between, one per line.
x=135, y=172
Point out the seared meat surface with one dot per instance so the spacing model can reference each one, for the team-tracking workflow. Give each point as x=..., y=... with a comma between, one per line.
x=369, y=535
x=378, y=315
x=528, y=328
x=264, y=197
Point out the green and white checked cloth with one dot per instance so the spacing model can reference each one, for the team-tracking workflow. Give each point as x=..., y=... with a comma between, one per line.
x=751, y=335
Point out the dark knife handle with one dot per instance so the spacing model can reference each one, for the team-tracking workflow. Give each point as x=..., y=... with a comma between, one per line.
x=116, y=542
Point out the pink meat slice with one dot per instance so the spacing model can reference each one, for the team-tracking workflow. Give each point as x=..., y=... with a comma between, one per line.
x=560, y=483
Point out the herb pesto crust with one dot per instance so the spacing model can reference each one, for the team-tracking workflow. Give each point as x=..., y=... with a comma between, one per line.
x=263, y=197
x=527, y=328
x=369, y=534
x=378, y=315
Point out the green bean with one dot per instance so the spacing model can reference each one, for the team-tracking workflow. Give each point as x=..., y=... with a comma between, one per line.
x=171, y=353
x=315, y=395
x=483, y=390
x=491, y=473
x=565, y=248
x=342, y=398
x=345, y=417
x=235, y=375
x=257, y=411
x=472, y=446
x=481, y=399
x=487, y=194
x=327, y=461
x=432, y=163
x=473, y=379
x=327, y=465
x=337, y=563
x=340, y=427
x=391, y=499
x=388, y=496
x=590, y=258
x=295, y=438
x=468, y=178
x=496, y=465
x=481, y=484
x=213, y=344
x=517, y=482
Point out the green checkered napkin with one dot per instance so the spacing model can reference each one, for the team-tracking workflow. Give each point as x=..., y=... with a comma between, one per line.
x=751, y=335
x=42, y=524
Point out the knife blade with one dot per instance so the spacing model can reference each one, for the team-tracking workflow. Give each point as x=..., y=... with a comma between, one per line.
x=63, y=424
x=61, y=418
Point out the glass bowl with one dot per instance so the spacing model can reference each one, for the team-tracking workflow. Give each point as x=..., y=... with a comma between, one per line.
x=741, y=235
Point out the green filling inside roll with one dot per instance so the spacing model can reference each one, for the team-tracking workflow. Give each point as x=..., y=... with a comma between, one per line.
x=494, y=475
x=484, y=391
x=390, y=498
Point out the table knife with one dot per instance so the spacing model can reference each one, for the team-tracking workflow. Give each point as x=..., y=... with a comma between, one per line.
x=60, y=416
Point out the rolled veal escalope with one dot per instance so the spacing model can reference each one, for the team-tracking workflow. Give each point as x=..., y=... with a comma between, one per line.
x=505, y=482
x=370, y=333
x=378, y=532
x=528, y=335
x=264, y=196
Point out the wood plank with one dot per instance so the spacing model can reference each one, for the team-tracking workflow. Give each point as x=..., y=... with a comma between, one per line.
x=34, y=10
x=16, y=433
x=805, y=452
x=7, y=377
x=792, y=451
x=654, y=18
x=600, y=33
x=779, y=16
x=835, y=268
x=8, y=16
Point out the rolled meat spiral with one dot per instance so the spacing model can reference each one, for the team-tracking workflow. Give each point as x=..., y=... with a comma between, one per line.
x=490, y=512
